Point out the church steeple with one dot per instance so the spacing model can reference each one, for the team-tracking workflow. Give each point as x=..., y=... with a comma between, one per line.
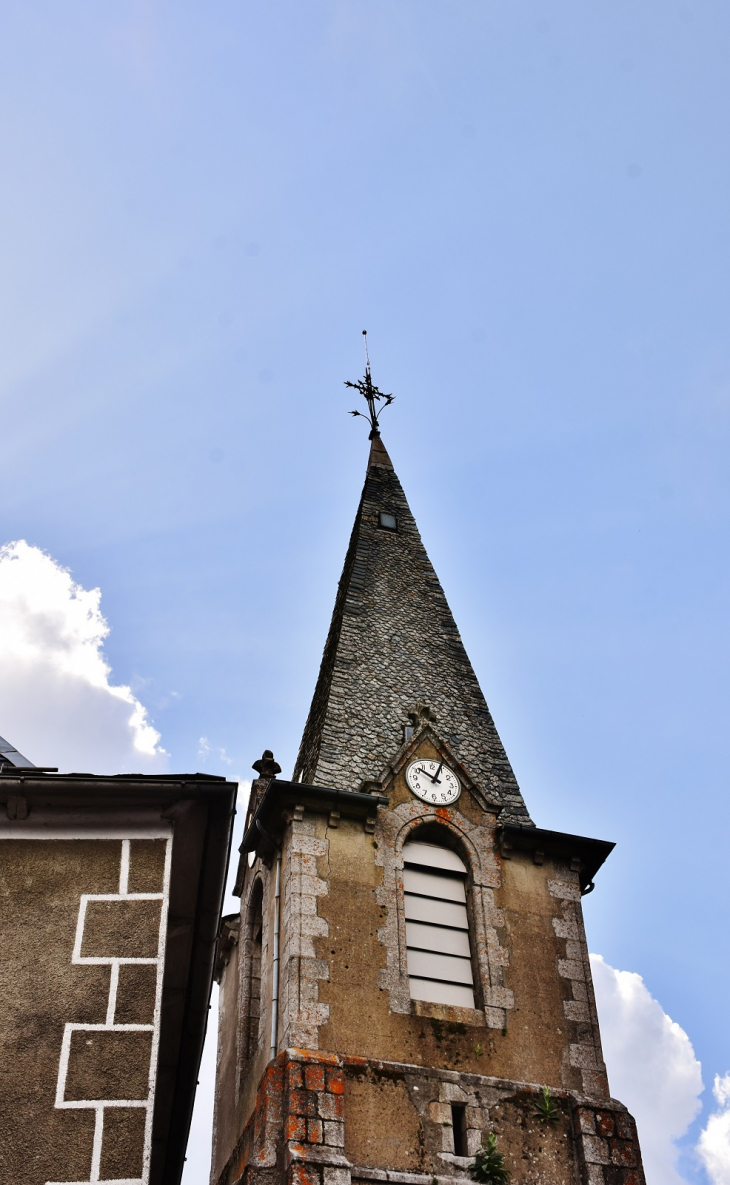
x=392, y=643
x=409, y=978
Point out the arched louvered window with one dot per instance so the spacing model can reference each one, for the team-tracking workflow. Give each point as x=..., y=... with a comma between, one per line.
x=437, y=925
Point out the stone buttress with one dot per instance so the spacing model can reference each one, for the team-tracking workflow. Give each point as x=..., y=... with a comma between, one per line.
x=332, y=1067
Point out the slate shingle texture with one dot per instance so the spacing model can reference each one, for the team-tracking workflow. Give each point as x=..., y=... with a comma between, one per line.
x=392, y=643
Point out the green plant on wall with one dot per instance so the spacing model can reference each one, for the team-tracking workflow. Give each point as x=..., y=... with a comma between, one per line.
x=488, y=1167
x=545, y=1109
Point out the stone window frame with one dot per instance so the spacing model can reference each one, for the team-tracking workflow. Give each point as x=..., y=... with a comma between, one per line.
x=247, y=1049
x=475, y=845
x=449, y=838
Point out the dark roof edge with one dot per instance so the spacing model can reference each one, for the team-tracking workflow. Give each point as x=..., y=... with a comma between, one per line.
x=588, y=854
x=51, y=774
x=216, y=843
x=355, y=802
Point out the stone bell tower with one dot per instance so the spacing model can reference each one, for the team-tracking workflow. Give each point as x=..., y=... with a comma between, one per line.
x=409, y=969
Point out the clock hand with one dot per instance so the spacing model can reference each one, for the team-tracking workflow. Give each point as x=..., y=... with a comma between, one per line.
x=434, y=777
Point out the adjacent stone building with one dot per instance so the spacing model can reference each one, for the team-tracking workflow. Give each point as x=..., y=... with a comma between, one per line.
x=110, y=898
x=409, y=970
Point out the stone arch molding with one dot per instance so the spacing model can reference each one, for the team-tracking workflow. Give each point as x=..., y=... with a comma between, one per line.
x=246, y=1048
x=425, y=729
x=476, y=841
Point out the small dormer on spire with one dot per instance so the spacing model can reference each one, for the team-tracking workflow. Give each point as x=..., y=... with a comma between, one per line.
x=371, y=395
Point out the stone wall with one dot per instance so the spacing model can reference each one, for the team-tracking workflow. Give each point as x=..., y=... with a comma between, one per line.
x=535, y=1014
x=321, y=1119
x=345, y=1000
x=82, y=931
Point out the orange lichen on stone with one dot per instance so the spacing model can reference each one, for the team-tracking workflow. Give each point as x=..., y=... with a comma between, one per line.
x=315, y=1131
x=309, y=1055
x=331, y=1106
x=303, y=1102
x=336, y=1081
x=605, y=1123
x=301, y=1174
x=622, y=1152
x=361, y=1062
x=296, y=1128
x=314, y=1077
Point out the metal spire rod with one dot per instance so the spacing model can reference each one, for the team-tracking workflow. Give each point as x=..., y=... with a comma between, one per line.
x=370, y=394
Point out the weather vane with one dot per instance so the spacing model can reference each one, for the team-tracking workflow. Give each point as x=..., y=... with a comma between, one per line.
x=371, y=395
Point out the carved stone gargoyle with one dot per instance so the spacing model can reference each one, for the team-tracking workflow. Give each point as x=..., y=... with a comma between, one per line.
x=267, y=769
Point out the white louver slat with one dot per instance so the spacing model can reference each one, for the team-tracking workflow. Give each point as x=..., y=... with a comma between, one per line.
x=434, y=992
x=426, y=884
x=438, y=938
x=428, y=855
x=438, y=913
x=426, y=964
x=437, y=926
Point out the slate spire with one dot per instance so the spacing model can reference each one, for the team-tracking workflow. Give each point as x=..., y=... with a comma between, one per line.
x=393, y=643
x=10, y=757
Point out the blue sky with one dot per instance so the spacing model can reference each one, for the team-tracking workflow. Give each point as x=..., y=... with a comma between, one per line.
x=526, y=205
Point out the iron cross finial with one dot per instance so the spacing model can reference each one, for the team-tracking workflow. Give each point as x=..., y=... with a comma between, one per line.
x=370, y=394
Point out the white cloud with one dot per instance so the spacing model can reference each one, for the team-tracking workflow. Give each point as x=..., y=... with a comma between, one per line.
x=57, y=703
x=206, y=750
x=714, y=1142
x=651, y=1065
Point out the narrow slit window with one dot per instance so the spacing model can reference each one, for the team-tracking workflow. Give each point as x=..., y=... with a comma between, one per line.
x=388, y=521
x=437, y=926
x=253, y=952
x=458, y=1122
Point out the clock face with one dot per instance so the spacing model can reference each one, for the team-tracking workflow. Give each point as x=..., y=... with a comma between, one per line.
x=433, y=782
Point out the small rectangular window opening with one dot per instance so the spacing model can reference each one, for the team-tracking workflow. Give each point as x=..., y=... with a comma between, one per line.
x=408, y=732
x=388, y=521
x=458, y=1121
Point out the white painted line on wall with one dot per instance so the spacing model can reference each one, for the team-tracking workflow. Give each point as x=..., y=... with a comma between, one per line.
x=124, y=869
x=161, y=943
x=114, y=962
x=96, y=1150
x=77, y=956
x=113, y=985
